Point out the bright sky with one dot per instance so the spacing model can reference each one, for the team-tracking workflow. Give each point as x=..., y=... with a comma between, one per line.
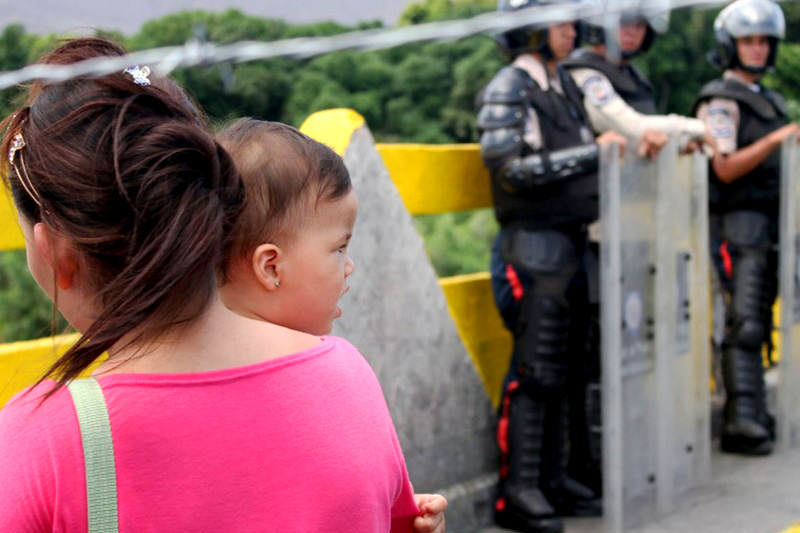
x=41, y=16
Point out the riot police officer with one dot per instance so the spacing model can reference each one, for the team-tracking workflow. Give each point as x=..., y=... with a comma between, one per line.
x=616, y=94
x=543, y=160
x=749, y=123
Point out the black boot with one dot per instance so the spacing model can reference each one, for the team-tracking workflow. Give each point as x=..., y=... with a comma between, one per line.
x=585, y=415
x=521, y=505
x=744, y=430
x=568, y=496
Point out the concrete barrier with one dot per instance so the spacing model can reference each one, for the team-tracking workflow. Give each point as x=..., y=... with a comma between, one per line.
x=397, y=315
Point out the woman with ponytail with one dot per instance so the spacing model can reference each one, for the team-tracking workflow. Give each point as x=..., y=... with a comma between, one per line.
x=126, y=203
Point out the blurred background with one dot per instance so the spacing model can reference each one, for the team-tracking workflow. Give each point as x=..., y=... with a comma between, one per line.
x=414, y=93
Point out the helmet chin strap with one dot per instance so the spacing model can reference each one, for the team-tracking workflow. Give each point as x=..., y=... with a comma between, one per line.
x=546, y=53
x=630, y=55
x=753, y=70
x=737, y=63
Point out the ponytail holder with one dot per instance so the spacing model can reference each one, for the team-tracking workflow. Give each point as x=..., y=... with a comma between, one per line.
x=139, y=75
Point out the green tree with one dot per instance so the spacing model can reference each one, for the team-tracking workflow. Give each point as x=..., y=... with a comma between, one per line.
x=471, y=73
x=786, y=78
x=432, y=10
x=25, y=312
x=458, y=243
x=15, y=47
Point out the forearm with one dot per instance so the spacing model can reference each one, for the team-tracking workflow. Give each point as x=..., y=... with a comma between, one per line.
x=620, y=117
x=730, y=167
x=524, y=174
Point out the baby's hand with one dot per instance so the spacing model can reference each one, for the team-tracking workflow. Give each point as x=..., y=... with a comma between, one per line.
x=431, y=508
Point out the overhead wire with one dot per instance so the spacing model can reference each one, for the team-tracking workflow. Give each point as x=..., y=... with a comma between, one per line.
x=195, y=52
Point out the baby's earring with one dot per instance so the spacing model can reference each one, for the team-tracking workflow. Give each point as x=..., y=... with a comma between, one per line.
x=277, y=283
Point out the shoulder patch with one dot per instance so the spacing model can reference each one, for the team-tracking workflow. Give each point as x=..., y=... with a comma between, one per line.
x=720, y=122
x=598, y=90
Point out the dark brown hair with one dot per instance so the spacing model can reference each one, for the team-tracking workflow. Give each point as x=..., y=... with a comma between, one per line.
x=284, y=172
x=131, y=178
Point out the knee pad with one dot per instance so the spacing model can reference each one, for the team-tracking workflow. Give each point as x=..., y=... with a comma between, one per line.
x=748, y=229
x=541, y=252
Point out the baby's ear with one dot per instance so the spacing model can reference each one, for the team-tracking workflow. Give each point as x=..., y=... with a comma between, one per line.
x=264, y=262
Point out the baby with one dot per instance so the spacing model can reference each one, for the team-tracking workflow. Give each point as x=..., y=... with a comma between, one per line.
x=287, y=262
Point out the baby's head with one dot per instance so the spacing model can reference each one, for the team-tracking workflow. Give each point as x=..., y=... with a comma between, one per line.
x=288, y=261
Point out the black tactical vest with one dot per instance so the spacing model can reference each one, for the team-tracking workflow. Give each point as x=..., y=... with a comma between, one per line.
x=567, y=203
x=627, y=80
x=760, y=113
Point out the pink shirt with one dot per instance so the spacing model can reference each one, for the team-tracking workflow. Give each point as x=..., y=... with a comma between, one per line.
x=302, y=443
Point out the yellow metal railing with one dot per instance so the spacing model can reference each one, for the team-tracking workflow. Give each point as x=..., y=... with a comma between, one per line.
x=10, y=233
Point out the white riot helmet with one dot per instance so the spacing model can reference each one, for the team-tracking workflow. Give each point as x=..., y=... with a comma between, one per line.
x=654, y=12
x=743, y=18
x=528, y=39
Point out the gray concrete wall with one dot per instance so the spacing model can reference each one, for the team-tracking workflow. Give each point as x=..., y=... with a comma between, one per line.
x=397, y=316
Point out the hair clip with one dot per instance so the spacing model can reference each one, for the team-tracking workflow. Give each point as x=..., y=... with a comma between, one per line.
x=17, y=143
x=139, y=75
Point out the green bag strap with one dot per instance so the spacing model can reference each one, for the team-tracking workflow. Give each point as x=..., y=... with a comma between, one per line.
x=98, y=455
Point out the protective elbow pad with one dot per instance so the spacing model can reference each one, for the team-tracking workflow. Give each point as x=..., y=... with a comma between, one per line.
x=575, y=161
x=551, y=167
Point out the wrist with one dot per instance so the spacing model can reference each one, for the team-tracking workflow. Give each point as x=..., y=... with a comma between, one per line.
x=773, y=140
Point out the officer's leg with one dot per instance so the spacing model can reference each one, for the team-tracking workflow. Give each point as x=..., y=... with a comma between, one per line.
x=521, y=417
x=541, y=337
x=566, y=495
x=745, y=428
x=520, y=504
x=720, y=293
x=585, y=422
x=509, y=284
x=770, y=294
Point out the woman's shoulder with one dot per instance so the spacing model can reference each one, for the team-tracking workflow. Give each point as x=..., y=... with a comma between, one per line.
x=341, y=343
x=32, y=417
x=41, y=459
x=34, y=399
x=347, y=350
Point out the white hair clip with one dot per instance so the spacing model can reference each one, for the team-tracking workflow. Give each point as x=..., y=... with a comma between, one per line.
x=139, y=75
x=17, y=143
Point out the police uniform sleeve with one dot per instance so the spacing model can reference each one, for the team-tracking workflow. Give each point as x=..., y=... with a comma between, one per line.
x=721, y=116
x=608, y=111
x=511, y=140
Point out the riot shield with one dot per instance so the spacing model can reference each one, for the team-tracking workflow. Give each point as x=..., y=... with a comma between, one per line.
x=700, y=326
x=654, y=266
x=628, y=254
x=682, y=329
x=671, y=244
x=789, y=290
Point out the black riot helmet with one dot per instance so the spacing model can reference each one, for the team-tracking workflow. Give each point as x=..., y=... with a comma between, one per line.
x=654, y=12
x=744, y=18
x=528, y=39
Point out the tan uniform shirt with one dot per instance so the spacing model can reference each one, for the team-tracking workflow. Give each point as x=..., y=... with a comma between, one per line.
x=721, y=115
x=538, y=73
x=608, y=111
